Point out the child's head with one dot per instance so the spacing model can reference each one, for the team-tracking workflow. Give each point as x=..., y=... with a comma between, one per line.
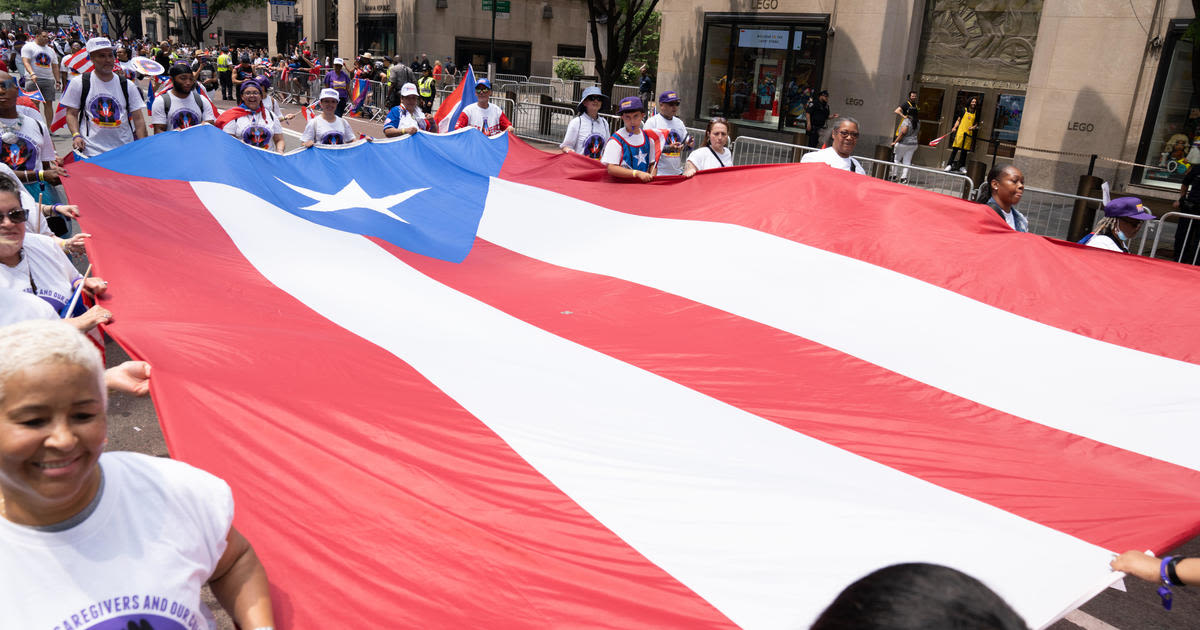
x=632, y=112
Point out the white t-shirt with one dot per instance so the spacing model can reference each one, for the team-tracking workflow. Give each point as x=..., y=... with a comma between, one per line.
x=586, y=136
x=42, y=58
x=485, y=120
x=18, y=306
x=670, y=163
x=1102, y=241
x=704, y=158
x=257, y=129
x=321, y=131
x=33, y=113
x=146, y=551
x=183, y=112
x=107, y=123
x=270, y=103
x=31, y=144
x=830, y=157
x=44, y=262
x=636, y=153
x=400, y=118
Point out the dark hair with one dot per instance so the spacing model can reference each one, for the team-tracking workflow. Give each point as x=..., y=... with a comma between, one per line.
x=919, y=596
x=992, y=175
x=9, y=184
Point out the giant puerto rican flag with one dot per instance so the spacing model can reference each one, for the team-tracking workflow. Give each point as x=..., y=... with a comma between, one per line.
x=486, y=386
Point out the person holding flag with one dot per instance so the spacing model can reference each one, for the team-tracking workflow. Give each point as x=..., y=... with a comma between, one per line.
x=407, y=117
x=328, y=128
x=629, y=153
x=252, y=123
x=482, y=114
x=103, y=110
x=181, y=106
x=40, y=61
x=587, y=133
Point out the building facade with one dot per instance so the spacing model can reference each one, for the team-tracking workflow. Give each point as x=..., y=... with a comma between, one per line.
x=526, y=38
x=1057, y=80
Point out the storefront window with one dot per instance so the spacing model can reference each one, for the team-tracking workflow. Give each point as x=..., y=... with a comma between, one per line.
x=377, y=34
x=760, y=71
x=1174, y=123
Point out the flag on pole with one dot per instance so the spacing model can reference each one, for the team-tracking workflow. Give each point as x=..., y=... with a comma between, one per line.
x=78, y=62
x=34, y=95
x=359, y=89
x=60, y=117
x=311, y=111
x=935, y=141
x=303, y=42
x=544, y=398
x=451, y=106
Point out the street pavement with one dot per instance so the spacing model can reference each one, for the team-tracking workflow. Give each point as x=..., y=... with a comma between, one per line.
x=133, y=426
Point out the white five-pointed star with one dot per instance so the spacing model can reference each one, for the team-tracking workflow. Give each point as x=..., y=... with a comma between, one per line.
x=353, y=196
x=641, y=158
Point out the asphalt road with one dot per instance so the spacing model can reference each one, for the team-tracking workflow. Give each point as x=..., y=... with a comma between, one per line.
x=133, y=426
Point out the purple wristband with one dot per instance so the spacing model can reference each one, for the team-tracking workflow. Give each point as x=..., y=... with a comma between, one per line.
x=1164, y=591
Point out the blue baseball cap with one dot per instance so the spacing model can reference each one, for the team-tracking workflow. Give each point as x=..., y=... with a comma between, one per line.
x=484, y=83
x=668, y=97
x=630, y=104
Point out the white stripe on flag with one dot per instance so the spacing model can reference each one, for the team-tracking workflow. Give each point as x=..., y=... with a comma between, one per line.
x=927, y=333
x=764, y=523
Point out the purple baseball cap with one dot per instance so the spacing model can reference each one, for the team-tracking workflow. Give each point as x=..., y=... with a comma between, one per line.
x=630, y=104
x=1129, y=208
x=668, y=97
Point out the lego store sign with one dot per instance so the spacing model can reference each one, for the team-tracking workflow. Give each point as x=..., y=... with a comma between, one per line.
x=762, y=5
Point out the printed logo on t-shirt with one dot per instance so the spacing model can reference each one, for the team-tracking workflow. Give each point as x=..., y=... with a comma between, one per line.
x=104, y=111
x=20, y=155
x=41, y=59
x=256, y=136
x=183, y=119
x=672, y=138
x=138, y=622
x=593, y=147
x=333, y=137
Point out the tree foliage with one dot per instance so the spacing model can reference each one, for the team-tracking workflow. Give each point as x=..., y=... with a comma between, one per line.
x=568, y=69
x=49, y=9
x=124, y=16
x=193, y=26
x=624, y=22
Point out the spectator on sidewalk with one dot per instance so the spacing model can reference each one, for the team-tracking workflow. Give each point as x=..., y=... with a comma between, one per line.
x=816, y=116
x=904, y=145
x=678, y=139
x=426, y=88
x=1187, y=231
x=645, y=85
x=839, y=153
x=103, y=110
x=964, y=136
x=337, y=79
x=715, y=153
x=225, y=74
x=399, y=75
x=587, y=133
x=629, y=153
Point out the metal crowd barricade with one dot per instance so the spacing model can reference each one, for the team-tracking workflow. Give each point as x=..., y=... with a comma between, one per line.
x=507, y=78
x=547, y=123
x=621, y=91
x=931, y=179
x=747, y=150
x=1164, y=229
x=375, y=106
x=1049, y=212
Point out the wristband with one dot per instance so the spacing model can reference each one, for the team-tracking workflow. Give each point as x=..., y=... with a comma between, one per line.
x=1164, y=591
x=1172, y=576
x=76, y=135
x=54, y=209
x=40, y=176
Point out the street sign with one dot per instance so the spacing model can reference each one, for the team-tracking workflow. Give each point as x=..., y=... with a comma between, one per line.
x=502, y=6
x=283, y=11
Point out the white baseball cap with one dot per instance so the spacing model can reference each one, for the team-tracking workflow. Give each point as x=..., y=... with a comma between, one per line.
x=330, y=93
x=408, y=89
x=99, y=43
x=338, y=62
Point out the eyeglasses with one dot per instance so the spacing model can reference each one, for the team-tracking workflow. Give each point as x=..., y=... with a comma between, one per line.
x=8, y=84
x=847, y=134
x=16, y=216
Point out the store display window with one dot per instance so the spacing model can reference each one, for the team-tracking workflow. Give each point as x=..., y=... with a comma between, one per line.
x=1171, y=136
x=761, y=72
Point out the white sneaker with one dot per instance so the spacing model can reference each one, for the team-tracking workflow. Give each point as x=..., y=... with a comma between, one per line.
x=962, y=169
x=949, y=167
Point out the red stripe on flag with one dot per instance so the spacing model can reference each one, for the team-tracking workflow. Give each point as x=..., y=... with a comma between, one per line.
x=410, y=507
x=1061, y=480
x=991, y=265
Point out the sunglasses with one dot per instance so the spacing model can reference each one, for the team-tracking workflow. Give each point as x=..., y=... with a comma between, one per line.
x=16, y=216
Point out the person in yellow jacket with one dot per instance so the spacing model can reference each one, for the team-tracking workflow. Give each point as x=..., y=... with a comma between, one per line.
x=425, y=87
x=964, y=136
x=225, y=74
